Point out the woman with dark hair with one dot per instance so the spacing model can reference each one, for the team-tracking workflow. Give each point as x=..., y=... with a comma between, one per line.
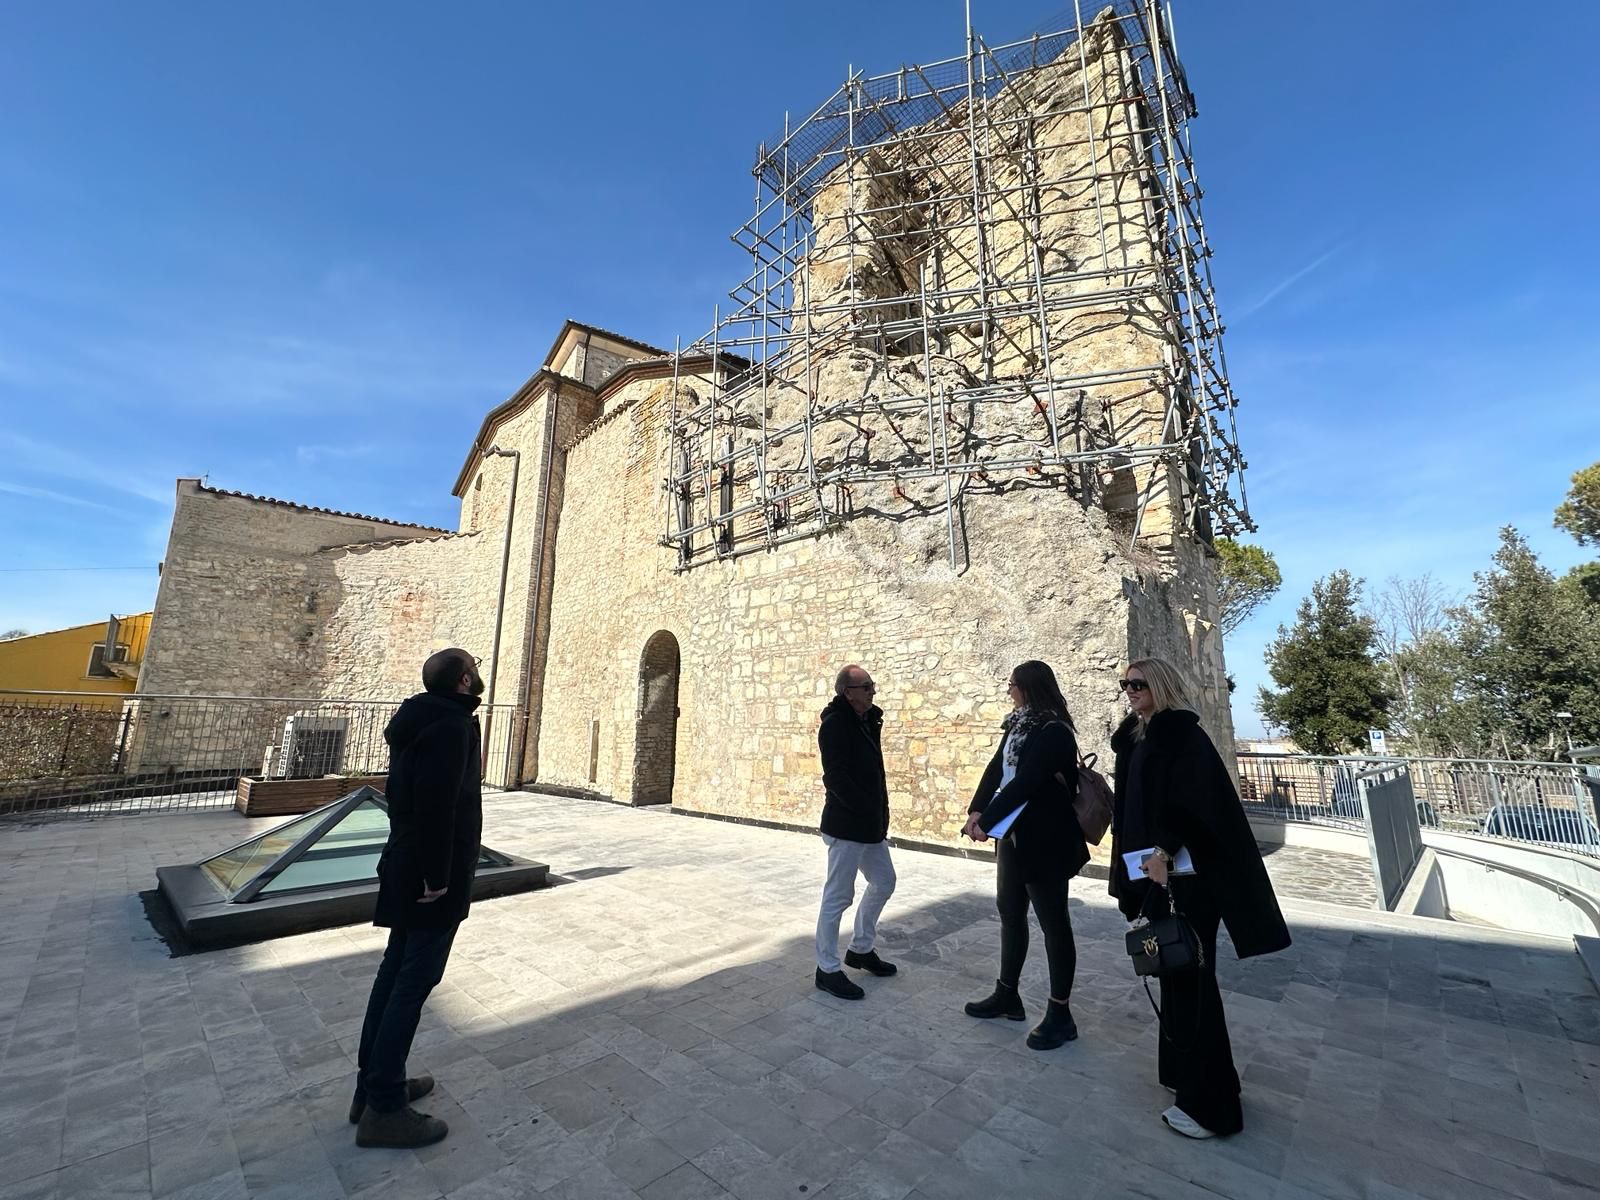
x=1174, y=793
x=1025, y=799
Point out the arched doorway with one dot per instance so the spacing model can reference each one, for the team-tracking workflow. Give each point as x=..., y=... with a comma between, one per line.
x=655, y=735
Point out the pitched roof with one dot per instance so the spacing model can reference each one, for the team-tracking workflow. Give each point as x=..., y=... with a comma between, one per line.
x=388, y=543
x=570, y=325
x=649, y=368
x=327, y=512
x=519, y=400
x=659, y=360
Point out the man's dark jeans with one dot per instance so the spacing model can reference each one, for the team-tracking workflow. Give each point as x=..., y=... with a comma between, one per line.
x=412, y=965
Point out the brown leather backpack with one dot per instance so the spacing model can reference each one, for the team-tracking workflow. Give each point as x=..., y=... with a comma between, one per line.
x=1092, y=803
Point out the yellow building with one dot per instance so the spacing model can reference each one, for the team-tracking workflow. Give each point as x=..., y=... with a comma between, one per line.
x=76, y=659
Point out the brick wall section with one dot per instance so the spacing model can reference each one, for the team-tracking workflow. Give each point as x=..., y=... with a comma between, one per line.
x=389, y=605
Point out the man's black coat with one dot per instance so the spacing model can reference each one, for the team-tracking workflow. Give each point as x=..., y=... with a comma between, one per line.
x=435, y=811
x=857, y=804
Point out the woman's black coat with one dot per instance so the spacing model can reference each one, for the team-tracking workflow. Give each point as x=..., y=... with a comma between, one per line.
x=1048, y=839
x=1189, y=800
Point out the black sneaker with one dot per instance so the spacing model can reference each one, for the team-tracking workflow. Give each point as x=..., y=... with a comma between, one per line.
x=838, y=983
x=869, y=962
x=403, y=1129
x=416, y=1089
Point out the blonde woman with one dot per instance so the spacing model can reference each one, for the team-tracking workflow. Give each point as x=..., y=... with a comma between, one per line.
x=1174, y=793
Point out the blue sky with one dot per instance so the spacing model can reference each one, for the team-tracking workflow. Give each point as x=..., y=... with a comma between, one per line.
x=301, y=249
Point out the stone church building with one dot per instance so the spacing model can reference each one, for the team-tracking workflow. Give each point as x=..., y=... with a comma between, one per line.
x=976, y=436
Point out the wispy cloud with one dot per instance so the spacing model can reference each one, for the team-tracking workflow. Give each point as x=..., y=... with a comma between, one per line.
x=39, y=493
x=311, y=456
x=1283, y=285
x=109, y=474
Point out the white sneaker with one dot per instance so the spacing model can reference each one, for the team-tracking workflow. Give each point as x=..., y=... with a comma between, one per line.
x=1181, y=1122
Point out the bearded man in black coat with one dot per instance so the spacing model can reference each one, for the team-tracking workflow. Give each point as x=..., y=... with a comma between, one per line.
x=424, y=889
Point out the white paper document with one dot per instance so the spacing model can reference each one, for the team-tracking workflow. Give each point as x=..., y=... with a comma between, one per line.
x=1007, y=821
x=1182, y=864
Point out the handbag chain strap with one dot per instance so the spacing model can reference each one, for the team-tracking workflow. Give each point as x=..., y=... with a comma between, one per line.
x=1161, y=1021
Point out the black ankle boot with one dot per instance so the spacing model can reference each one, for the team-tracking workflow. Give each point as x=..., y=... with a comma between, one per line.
x=1056, y=1028
x=1002, y=1002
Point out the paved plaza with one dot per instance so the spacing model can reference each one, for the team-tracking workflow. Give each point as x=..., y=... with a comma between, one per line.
x=648, y=1027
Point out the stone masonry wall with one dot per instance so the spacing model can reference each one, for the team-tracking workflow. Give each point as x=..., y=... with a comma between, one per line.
x=253, y=603
x=762, y=636
x=387, y=606
x=237, y=609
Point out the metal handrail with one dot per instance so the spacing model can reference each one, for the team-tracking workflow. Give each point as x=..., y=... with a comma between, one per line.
x=306, y=700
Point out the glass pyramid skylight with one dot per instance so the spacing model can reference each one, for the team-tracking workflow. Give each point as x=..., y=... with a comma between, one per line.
x=310, y=872
x=335, y=846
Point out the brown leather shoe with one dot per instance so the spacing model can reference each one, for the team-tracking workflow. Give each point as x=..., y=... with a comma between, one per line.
x=416, y=1089
x=403, y=1129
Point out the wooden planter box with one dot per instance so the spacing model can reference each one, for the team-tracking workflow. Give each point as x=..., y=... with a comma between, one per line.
x=258, y=797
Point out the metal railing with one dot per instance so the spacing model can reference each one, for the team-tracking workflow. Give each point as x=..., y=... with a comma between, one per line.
x=76, y=752
x=1552, y=804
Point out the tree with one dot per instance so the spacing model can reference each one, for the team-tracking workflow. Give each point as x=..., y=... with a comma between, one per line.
x=1583, y=581
x=1579, y=514
x=1331, y=690
x=1247, y=576
x=12, y=635
x=1530, y=649
x=1411, y=622
x=1442, y=715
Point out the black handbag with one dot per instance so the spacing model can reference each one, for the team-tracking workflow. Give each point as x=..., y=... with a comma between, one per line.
x=1164, y=945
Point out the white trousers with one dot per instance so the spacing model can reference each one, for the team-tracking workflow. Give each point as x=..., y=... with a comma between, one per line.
x=844, y=860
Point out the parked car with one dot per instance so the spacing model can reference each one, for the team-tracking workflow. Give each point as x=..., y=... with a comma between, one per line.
x=1350, y=806
x=1537, y=823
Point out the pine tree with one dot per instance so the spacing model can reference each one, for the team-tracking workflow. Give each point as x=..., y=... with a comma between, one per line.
x=1247, y=577
x=1531, y=649
x=1331, y=690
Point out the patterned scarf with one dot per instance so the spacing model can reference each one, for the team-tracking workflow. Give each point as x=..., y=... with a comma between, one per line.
x=1019, y=723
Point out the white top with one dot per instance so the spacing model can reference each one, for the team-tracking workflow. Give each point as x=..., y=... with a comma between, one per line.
x=1008, y=772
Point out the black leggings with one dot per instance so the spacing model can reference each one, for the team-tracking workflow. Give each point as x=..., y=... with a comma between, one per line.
x=1012, y=894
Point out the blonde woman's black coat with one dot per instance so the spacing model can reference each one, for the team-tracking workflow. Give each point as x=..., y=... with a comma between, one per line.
x=1189, y=800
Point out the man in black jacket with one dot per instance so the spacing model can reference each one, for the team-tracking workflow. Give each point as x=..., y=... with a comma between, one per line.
x=855, y=826
x=424, y=889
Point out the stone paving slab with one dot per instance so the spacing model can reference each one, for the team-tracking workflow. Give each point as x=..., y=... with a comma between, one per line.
x=1303, y=873
x=649, y=1029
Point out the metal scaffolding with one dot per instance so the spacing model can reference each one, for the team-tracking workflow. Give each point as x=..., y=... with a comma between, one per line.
x=964, y=273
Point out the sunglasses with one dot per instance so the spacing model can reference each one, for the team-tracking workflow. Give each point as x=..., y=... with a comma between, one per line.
x=865, y=687
x=1133, y=685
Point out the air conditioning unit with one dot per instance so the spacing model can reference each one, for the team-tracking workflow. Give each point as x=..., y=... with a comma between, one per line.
x=312, y=746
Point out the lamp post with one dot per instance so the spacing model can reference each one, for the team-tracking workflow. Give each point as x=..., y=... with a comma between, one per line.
x=1566, y=719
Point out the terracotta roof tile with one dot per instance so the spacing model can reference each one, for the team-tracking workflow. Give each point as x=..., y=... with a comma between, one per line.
x=327, y=512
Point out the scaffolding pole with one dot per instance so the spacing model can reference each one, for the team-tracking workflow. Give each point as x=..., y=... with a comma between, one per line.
x=1031, y=210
